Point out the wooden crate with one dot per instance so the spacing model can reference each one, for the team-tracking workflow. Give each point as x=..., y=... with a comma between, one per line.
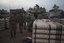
x=47, y=32
x=2, y=24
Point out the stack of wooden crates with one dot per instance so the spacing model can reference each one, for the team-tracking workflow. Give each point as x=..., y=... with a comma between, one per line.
x=47, y=32
x=2, y=24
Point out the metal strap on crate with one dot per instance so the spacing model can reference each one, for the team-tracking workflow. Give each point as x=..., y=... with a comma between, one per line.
x=35, y=31
x=61, y=34
x=49, y=33
x=58, y=35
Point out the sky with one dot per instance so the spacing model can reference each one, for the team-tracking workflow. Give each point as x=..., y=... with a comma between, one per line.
x=18, y=4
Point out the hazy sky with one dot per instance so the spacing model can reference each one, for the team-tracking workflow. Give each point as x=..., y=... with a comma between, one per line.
x=7, y=4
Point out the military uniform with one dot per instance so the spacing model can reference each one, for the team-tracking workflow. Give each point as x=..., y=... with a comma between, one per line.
x=13, y=25
x=29, y=23
x=20, y=20
x=24, y=21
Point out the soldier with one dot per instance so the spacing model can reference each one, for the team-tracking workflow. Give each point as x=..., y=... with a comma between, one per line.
x=13, y=25
x=24, y=21
x=36, y=11
x=29, y=23
x=20, y=20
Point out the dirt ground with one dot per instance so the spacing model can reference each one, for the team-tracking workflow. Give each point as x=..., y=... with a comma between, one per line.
x=5, y=36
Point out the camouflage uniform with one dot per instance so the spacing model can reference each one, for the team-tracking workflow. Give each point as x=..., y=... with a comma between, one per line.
x=13, y=25
x=29, y=23
x=20, y=20
x=24, y=21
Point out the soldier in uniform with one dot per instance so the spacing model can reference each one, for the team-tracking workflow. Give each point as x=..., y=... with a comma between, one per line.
x=24, y=21
x=29, y=23
x=20, y=20
x=36, y=9
x=13, y=25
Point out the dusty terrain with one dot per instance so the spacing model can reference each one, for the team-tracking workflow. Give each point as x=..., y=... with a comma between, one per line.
x=5, y=36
